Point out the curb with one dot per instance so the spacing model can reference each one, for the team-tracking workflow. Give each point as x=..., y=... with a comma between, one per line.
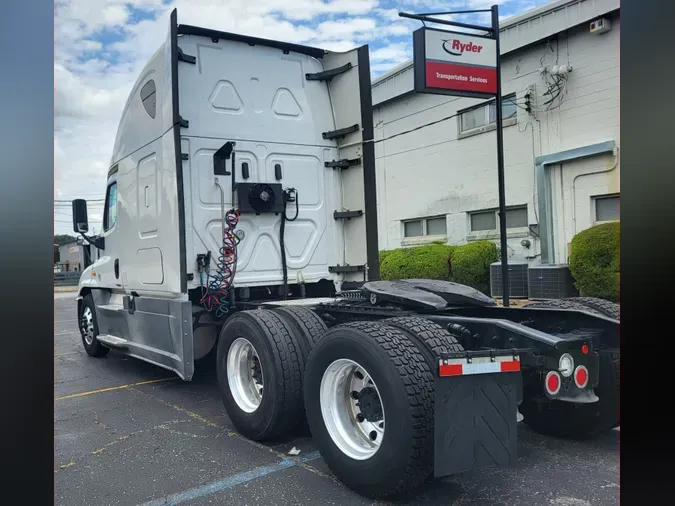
x=65, y=289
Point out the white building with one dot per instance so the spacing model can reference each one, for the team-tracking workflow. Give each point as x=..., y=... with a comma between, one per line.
x=561, y=159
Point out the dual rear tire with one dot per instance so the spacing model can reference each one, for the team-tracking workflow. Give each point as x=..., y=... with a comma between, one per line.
x=365, y=389
x=261, y=359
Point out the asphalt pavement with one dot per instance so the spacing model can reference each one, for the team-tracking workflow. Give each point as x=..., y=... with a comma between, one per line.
x=129, y=433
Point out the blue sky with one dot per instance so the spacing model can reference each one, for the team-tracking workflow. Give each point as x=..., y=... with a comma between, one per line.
x=101, y=46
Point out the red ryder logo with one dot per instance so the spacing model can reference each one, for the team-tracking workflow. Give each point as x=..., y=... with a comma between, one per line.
x=457, y=48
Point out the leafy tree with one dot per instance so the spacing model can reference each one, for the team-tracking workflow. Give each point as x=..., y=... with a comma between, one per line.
x=61, y=239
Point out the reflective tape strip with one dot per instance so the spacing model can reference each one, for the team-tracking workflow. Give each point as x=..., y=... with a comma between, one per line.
x=461, y=367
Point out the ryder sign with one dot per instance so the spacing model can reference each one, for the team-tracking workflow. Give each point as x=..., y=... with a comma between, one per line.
x=451, y=63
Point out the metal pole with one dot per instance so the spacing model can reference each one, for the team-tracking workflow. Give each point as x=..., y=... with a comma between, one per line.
x=420, y=17
x=500, y=161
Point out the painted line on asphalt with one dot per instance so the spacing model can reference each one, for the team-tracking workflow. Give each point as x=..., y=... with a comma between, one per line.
x=59, y=355
x=121, y=387
x=65, y=321
x=230, y=482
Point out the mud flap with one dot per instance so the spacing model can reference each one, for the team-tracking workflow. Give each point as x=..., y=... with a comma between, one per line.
x=475, y=419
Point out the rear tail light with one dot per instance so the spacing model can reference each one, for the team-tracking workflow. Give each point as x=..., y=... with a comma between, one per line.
x=552, y=383
x=581, y=377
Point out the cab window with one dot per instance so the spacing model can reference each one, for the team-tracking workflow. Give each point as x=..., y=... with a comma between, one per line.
x=110, y=213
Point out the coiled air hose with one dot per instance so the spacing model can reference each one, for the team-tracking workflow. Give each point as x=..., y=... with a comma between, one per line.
x=215, y=292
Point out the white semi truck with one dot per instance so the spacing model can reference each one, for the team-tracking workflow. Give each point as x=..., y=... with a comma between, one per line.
x=240, y=221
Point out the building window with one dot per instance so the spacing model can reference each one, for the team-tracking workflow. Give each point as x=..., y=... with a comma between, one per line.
x=516, y=217
x=148, y=98
x=425, y=226
x=606, y=208
x=485, y=115
x=110, y=212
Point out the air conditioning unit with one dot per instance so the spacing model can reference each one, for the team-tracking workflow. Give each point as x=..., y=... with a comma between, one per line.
x=601, y=25
x=551, y=282
x=517, y=280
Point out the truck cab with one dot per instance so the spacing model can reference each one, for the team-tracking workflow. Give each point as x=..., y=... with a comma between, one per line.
x=219, y=121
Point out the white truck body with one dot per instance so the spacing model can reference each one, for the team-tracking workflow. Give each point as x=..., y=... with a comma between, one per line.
x=201, y=89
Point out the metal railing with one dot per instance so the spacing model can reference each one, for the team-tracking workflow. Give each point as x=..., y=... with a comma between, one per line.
x=67, y=278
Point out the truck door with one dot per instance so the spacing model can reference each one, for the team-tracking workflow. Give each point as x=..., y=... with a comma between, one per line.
x=108, y=270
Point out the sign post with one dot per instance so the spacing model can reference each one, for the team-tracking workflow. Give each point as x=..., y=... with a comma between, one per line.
x=456, y=63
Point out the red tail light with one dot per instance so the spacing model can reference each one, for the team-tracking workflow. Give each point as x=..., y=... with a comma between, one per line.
x=552, y=383
x=581, y=377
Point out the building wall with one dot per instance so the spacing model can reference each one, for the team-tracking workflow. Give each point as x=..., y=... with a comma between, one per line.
x=435, y=171
x=72, y=254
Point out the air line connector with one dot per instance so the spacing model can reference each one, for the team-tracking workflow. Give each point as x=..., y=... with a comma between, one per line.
x=203, y=260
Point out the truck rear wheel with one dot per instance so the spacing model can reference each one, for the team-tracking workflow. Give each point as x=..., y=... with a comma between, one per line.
x=89, y=328
x=369, y=401
x=601, y=306
x=306, y=325
x=259, y=373
x=432, y=340
x=579, y=421
x=558, y=304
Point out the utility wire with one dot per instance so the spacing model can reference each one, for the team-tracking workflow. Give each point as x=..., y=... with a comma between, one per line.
x=412, y=129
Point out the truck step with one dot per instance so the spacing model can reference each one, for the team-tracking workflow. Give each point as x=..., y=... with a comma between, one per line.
x=343, y=164
x=342, y=132
x=346, y=215
x=111, y=308
x=112, y=341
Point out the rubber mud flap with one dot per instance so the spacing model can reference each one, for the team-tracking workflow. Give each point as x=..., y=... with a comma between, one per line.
x=475, y=422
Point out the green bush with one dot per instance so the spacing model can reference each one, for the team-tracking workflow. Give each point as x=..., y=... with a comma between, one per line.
x=471, y=264
x=384, y=254
x=594, y=261
x=428, y=262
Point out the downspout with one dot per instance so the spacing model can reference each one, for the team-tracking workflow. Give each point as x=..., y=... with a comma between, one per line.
x=544, y=197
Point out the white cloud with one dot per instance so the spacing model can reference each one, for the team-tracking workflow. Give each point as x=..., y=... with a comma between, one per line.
x=396, y=53
x=115, y=14
x=345, y=27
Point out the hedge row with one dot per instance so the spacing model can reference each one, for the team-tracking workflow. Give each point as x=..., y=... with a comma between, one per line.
x=468, y=264
x=594, y=261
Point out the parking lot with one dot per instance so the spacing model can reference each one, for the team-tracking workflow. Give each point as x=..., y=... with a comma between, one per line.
x=130, y=433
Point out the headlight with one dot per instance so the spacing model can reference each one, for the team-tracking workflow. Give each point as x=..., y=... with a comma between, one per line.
x=566, y=365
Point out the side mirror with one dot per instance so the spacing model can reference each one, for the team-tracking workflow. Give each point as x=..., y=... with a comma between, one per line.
x=80, y=222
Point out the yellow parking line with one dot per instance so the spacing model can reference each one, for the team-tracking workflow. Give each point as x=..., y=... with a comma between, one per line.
x=113, y=388
x=59, y=355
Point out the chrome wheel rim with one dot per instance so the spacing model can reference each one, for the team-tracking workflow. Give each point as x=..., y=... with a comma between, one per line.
x=245, y=375
x=352, y=409
x=87, y=326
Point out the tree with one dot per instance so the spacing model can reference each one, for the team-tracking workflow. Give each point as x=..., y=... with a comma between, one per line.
x=61, y=239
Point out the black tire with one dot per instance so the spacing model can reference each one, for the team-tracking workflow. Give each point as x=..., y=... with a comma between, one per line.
x=88, y=324
x=579, y=421
x=404, y=459
x=557, y=304
x=280, y=409
x=604, y=307
x=432, y=340
x=306, y=325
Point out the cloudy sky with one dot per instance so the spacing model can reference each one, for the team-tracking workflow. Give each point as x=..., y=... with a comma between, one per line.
x=101, y=46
